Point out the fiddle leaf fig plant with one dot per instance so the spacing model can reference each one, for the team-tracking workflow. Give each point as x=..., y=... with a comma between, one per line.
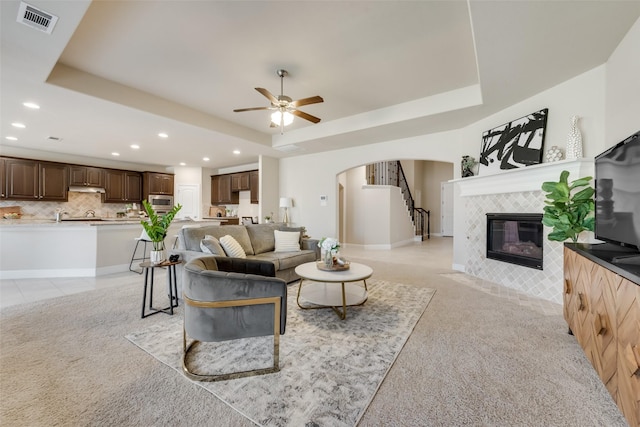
x=157, y=226
x=569, y=207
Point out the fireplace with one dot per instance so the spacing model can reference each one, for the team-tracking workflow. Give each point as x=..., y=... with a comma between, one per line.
x=515, y=238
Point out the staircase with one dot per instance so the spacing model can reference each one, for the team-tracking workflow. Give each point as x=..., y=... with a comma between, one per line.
x=391, y=173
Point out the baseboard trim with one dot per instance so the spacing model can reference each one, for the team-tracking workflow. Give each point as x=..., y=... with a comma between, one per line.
x=46, y=274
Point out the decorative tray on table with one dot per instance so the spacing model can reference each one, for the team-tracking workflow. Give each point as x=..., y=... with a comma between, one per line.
x=335, y=267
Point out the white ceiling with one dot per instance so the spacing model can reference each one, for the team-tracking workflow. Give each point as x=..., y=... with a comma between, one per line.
x=114, y=73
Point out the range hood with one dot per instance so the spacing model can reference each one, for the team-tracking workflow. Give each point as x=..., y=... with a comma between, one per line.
x=83, y=189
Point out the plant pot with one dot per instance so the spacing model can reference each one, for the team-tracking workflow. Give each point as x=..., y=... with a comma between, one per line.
x=156, y=257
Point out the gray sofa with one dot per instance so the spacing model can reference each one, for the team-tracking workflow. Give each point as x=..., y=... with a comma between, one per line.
x=258, y=242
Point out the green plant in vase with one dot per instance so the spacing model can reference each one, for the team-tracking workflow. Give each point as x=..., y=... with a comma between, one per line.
x=569, y=207
x=156, y=228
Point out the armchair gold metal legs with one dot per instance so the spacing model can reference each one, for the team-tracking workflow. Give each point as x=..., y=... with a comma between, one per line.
x=234, y=303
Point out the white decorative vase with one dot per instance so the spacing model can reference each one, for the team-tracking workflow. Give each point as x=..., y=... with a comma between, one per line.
x=156, y=257
x=574, y=140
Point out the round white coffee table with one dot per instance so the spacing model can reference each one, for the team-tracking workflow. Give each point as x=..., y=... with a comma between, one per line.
x=322, y=292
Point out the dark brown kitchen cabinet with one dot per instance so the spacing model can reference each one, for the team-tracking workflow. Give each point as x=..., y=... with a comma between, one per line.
x=122, y=186
x=254, y=184
x=35, y=180
x=157, y=183
x=86, y=176
x=240, y=181
x=221, y=190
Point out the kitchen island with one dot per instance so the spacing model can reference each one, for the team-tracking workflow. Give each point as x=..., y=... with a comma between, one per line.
x=42, y=248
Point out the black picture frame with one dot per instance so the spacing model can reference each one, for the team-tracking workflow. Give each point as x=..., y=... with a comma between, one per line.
x=515, y=144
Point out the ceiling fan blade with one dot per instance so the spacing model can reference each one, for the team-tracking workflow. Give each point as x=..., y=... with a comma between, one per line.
x=306, y=101
x=305, y=116
x=239, y=110
x=268, y=95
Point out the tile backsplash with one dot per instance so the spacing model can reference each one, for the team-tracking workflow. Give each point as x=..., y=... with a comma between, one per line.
x=77, y=206
x=547, y=283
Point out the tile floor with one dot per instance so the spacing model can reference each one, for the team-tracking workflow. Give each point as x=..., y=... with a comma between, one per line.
x=434, y=253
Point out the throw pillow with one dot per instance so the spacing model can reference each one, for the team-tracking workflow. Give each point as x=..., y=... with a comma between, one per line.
x=211, y=245
x=298, y=229
x=287, y=241
x=231, y=247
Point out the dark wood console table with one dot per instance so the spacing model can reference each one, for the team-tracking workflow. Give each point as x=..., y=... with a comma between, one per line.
x=602, y=308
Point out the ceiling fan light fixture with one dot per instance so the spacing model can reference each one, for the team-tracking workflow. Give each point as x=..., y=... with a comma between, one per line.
x=277, y=118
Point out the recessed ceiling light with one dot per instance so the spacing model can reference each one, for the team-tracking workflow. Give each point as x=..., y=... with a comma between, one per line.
x=163, y=135
x=135, y=146
x=236, y=151
x=115, y=154
x=206, y=159
x=31, y=105
x=11, y=138
x=183, y=164
x=18, y=125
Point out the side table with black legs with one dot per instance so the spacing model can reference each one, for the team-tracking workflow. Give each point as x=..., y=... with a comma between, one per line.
x=150, y=267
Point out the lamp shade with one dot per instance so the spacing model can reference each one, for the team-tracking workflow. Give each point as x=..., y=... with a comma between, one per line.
x=285, y=202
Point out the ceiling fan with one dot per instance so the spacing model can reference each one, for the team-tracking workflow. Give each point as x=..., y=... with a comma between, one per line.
x=283, y=107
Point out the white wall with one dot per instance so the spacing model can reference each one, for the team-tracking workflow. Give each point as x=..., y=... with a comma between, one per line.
x=623, y=89
x=270, y=192
x=307, y=177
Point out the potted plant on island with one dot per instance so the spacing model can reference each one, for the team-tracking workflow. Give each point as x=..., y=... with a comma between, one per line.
x=569, y=214
x=156, y=228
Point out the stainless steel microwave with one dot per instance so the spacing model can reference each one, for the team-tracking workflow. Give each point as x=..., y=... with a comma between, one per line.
x=161, y=203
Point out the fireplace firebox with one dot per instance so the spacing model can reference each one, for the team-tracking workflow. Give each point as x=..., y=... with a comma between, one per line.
x=515, y=238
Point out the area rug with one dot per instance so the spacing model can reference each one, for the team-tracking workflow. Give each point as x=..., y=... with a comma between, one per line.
x=330, y=368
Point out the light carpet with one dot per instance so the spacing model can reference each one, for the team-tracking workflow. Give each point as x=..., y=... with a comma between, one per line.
x=330, y=368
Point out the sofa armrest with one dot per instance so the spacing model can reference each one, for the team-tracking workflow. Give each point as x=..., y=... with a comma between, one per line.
x=311, y=244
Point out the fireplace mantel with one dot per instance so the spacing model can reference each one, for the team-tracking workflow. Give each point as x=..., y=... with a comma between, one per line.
x=529, y=178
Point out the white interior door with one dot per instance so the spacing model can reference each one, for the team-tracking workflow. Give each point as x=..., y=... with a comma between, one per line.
x=189, y=198
x=446, y=200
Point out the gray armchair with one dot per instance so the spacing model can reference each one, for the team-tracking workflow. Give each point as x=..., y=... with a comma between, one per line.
x=228, y=299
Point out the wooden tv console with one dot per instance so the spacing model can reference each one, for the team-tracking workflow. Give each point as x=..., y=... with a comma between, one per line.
x=602, y=308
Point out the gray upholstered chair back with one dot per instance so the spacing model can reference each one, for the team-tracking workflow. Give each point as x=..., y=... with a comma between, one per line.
x=202, y=281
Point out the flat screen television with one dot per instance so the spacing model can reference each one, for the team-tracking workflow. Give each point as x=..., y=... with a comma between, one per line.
x=617, y=174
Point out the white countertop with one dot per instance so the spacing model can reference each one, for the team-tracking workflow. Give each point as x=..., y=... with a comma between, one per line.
x=92, y=223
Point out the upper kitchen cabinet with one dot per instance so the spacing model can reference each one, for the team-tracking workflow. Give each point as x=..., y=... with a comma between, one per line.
x=157, y=183
x=122, y=186
x=254, y=184
x=35, y=180
x=240, y=181
x=86, y=176
x=221, y=190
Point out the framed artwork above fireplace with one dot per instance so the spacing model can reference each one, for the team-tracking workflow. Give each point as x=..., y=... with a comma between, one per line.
x=514, y=144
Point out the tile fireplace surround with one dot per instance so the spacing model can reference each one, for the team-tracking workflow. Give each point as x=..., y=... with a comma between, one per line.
x=515, y=191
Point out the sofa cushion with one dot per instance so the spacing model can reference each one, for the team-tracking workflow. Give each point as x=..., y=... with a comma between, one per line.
x=211, y=245
x=286, y=260
x=193, y=236
x=231, y=247
x=262, y=238
x=287, y=241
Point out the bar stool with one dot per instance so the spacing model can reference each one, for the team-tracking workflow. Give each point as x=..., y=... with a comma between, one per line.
x=144, y=238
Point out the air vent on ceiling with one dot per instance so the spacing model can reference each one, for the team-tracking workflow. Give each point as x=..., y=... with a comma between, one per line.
x=288, y=148
x=54, y=138
x=36, y=18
